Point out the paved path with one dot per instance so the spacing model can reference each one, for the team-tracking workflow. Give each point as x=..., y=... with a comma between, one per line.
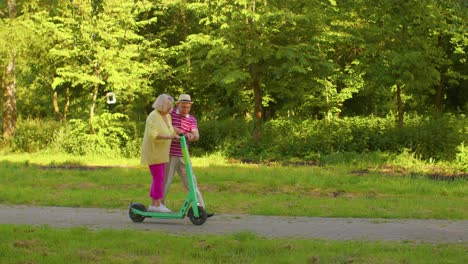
x=433, y=231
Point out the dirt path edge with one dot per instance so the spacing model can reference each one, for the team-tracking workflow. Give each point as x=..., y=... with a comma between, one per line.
x=415, y=230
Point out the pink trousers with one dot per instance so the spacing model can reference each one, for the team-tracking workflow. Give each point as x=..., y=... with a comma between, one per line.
x=157, y=186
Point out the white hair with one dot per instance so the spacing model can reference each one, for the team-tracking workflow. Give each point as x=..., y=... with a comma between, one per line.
x=163, y=102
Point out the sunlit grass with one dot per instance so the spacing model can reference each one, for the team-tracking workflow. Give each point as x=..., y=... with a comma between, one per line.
x=333, y=190
x=215, y=159
x=63, y=159
x=339, y=187
x=31, y=244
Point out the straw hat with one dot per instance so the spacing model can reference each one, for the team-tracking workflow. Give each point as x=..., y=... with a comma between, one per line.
x=184, y=98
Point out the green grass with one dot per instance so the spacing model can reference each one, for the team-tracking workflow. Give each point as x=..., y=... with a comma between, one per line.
x=351, y=189
x=61, y=159
x=342, y=188
x=31, y=244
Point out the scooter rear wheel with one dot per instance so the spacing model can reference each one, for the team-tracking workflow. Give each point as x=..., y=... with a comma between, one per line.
x=197, y=220
x=136, y=217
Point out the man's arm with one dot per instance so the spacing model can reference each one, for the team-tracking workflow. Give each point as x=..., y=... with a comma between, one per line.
x=193, y=135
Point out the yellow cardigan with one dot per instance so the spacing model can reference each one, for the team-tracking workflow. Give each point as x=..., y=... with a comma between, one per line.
x=156, y=151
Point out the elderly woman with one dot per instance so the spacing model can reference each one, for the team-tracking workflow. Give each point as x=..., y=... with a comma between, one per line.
x=155, y=148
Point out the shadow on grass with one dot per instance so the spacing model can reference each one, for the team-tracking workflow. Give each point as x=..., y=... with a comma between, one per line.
x=67, y=165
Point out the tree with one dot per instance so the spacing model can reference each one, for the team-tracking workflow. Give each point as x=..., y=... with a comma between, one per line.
x=98, y=50
x=9, y=79
x=451, y=42
x=251, y=54
x=401, y=54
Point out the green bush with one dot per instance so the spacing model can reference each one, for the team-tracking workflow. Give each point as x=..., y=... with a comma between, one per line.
x=435, y=138
x=33, y=135
x=283, y=138
x=461, y=158
x=220, y=135
x=132, y=148
x=113, y=137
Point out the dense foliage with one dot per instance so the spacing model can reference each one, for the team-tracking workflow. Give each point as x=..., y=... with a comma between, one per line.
x=270, y=79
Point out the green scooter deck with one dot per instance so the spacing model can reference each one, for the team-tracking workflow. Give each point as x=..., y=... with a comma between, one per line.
x=174, y=215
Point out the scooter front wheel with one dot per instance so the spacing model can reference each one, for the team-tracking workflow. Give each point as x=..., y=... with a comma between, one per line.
x=197, y=220
x=136, y=217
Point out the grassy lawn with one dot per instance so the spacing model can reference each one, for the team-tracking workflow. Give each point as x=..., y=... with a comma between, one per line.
x=27, y=244
x=343, y=189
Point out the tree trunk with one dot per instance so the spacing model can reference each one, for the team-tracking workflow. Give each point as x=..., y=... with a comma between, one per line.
x=67, y=104
x=9, y=87
x=184, y=26
x=258, y=99
x=255, y=74
x=9, y=101
x=438, y=95
x=93, y=103
x=12, y=11
x=327, y=99
x=443, y=69
x=58, y=115
x=400, y=106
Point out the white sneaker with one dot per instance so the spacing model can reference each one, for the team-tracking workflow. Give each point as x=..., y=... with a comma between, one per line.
x=160, y=209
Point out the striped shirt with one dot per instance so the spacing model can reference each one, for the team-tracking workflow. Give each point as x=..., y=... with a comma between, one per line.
x=187, y=124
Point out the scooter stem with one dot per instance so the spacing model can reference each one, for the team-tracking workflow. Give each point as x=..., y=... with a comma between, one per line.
x=188, y=168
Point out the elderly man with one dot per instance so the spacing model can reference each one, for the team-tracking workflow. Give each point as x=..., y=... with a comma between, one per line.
x=184, y=123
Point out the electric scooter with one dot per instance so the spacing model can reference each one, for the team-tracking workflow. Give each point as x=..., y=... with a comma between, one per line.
x=197, y=214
